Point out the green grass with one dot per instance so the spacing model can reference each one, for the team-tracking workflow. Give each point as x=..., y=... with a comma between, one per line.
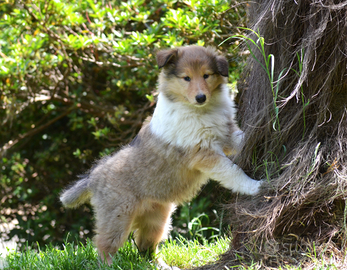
x=72, y=256
x=182, y=253
x=190, y=253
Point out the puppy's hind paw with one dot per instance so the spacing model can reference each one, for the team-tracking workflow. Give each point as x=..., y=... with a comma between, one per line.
x=163, y=266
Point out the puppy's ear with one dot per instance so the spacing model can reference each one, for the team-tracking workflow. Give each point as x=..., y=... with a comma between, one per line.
x=222, y=65
x=165, y=57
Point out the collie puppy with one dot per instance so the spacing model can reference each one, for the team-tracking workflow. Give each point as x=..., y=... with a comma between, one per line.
x=186, y=143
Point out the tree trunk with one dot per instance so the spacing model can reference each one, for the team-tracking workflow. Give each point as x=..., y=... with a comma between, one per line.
x=296, y=131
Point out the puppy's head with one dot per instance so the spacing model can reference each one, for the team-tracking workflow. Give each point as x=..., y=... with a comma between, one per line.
x=191, y=74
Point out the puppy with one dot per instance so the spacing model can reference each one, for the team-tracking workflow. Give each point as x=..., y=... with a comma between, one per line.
x=185, y=144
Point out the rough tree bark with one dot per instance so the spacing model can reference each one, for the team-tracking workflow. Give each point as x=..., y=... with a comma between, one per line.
x=296, y=133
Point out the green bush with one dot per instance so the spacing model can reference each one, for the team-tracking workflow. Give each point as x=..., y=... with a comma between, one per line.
x=77, y=79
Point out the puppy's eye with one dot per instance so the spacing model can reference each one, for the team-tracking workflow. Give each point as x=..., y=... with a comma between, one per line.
x=206, y=76
x=187, y=78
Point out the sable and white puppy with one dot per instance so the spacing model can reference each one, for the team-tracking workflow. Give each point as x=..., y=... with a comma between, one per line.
x=185, y=144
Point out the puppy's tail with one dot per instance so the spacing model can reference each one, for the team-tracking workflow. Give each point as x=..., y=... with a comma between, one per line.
x=77, y=194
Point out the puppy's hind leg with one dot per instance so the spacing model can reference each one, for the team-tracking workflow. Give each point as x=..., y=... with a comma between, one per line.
x=152, y=225
x=113, y=226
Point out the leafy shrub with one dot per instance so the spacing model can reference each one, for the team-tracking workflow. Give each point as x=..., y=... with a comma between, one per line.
x=77, y=79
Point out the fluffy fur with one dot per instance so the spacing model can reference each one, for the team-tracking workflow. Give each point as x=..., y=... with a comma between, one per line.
x=180, y=149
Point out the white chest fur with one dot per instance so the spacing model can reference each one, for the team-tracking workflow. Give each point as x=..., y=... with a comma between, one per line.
x=185, y=125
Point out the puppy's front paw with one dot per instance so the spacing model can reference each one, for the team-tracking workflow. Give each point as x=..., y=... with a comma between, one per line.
x=249, y=186
x=255, y=187
x=238, y=138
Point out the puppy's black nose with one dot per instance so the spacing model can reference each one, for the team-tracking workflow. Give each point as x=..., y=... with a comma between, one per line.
x=201, y=98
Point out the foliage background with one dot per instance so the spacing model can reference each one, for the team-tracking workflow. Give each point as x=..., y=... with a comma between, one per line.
x=77, y=79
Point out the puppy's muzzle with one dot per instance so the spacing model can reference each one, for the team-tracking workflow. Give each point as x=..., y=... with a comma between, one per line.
x=201, y=98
